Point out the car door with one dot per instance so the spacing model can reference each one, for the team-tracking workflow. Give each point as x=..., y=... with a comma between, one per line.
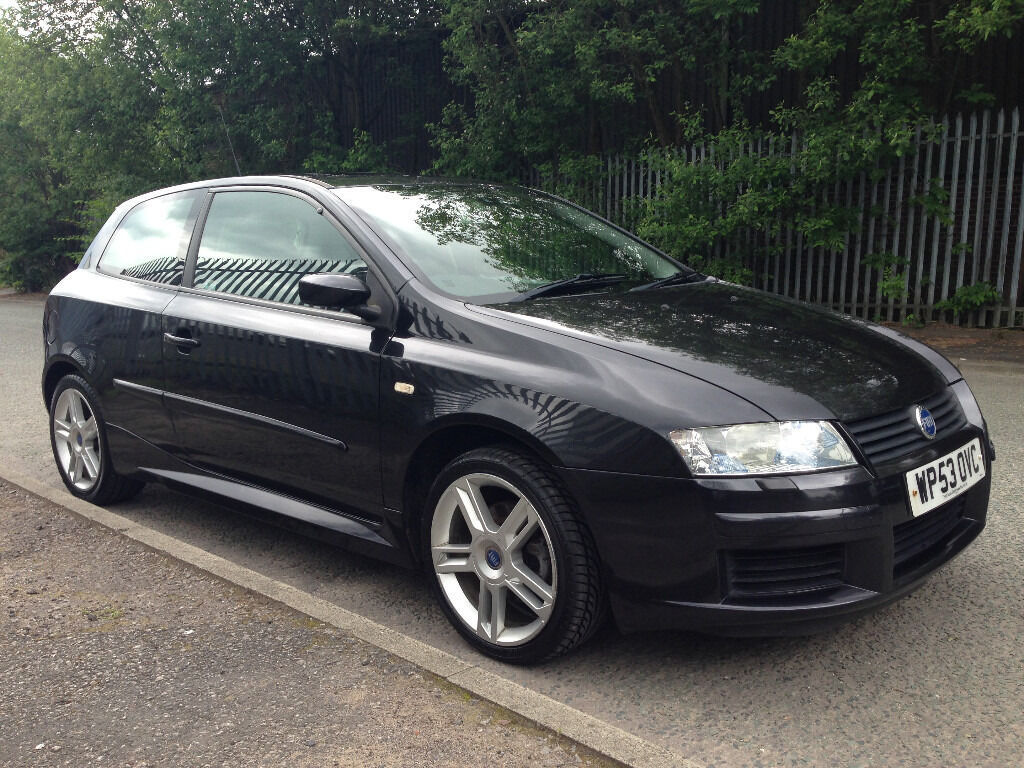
x=121, y=319
x=261, y=389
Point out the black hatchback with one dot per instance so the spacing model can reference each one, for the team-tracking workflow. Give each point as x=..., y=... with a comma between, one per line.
x=547, y=415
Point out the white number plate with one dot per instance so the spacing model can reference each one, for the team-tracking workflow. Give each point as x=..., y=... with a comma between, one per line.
x=943, y=479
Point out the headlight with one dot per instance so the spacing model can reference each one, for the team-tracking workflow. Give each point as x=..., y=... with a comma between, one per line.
x=763, y=449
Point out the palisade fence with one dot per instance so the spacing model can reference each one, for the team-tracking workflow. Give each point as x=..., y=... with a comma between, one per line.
x=978, y=159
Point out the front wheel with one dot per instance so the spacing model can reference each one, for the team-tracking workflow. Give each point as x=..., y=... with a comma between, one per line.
x=514, y=569
x=79, y=441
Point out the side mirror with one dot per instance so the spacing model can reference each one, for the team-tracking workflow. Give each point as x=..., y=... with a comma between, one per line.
x=335, y=291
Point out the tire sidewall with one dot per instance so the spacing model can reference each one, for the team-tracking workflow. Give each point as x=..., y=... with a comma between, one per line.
x=548, y=638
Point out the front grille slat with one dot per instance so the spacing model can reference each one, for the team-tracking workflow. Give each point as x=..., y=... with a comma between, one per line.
x=888, y=436
x=875, y=435
x=760, y=564
x=805, y=577
x=943, y=410
x=778, y=573
x=872, y=423
x=917, y=540
x=895, y=441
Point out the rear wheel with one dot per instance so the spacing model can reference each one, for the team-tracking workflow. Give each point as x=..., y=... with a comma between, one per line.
x=79, y=441
x=514, y=569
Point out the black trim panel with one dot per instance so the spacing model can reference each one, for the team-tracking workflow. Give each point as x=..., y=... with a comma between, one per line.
x=266, y=421
x=149, y=393
x=280, y=504
x=146, y=393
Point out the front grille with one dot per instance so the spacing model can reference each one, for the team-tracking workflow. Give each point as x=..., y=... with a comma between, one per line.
x=919, y=540
x=895, y=434
x=770, y=574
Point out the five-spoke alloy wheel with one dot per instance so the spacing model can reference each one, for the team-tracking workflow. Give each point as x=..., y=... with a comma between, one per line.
x=513, y=566
x=78, y=439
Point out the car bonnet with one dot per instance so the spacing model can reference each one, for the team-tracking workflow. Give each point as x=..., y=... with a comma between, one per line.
x=792, y=360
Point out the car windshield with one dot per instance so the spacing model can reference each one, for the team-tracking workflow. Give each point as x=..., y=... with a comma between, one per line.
x=491, y=244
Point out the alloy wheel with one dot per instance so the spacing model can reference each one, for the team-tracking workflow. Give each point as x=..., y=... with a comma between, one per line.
x=493, y=558
x=76, y=439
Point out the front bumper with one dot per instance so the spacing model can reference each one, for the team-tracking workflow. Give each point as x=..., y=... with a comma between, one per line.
x=770, y=555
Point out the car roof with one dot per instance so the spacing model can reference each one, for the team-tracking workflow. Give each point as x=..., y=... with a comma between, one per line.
x=324, y=181
x=379, y=179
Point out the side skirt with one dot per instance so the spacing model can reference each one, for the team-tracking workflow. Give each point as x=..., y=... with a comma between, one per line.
x=346, y=531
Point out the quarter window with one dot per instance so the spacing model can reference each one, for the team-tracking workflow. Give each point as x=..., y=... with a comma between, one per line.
x=152, y=240
x=260, y=244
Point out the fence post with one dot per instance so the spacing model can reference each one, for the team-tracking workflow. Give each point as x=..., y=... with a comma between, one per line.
x=951, y=229
x=1011, y=170
x=911, y=208
x=936, y=226
x=923, y=233
x=897, y=231
x=608, y=194
x=966, y=218
x=887, y=197
x=1015, y=274
x=979, y=208
x=997, y=168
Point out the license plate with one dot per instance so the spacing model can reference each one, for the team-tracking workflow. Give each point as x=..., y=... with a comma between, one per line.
x=936, y=483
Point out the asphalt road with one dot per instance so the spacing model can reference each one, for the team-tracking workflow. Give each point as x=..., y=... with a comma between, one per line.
x=936, y=679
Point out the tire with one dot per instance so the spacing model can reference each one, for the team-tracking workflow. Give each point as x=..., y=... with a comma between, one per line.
x=512, y=566
x=78, y=437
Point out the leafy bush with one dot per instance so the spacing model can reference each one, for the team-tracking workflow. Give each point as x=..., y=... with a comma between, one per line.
x=28, y=272
x=969, y=298
x=364, y=156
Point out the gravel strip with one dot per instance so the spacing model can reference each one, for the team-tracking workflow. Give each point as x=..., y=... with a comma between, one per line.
x=117, y=655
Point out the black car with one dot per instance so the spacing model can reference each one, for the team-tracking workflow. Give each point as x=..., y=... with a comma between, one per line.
x=549, y=416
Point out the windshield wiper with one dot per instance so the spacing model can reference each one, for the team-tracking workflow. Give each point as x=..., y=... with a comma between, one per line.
x=679, y=278
x=569, y=284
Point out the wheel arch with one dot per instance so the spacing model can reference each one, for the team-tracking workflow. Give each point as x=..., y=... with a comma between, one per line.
x=57, y=369
x=448, y=440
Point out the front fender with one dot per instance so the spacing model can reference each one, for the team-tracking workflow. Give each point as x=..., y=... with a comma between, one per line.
x=563, y=432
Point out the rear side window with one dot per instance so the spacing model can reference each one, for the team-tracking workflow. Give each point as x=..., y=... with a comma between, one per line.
x=152, y=240
x=260, y=244
x=100, y=241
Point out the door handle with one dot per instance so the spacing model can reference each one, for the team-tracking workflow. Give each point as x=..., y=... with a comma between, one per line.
x=181, y=341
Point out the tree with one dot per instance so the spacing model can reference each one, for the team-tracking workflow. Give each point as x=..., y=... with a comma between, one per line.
x=835, y=132
x=70, y=145
x=105, y=99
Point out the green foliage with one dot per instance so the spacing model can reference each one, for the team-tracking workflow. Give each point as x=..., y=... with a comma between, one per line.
x=55, y=160
x=977, y=96
x=730, y=270
x=934, y=202
x=972, y=21
x=104, y=99
x=552, y=81
x=891, y=280
x=825, y=140
x=565, y=79
x=970, y=297
x=892, y=284
x=364, y=156
x=470, y=147
x=715, y=198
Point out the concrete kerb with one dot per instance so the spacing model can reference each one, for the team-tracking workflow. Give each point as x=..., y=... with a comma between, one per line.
x=587, y=730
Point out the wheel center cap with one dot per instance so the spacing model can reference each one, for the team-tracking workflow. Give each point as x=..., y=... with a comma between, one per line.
x=78, y=439
x=493, y=558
